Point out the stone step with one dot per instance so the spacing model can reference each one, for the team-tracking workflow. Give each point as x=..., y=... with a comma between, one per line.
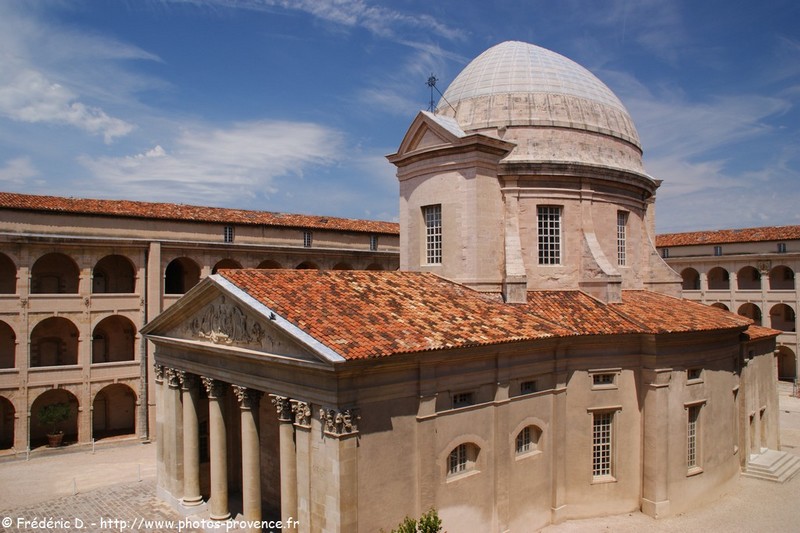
x=772, y=465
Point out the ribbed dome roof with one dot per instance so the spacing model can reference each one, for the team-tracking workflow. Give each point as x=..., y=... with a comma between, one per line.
x=536, y=77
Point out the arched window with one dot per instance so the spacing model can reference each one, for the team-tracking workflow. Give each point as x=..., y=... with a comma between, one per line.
x=527, y=440
x=114, y=411
x=8, y=346
x=781, y=278
x=718, y=279
x=181, y=275
x=269, y=263
x=720, y=305
x=113, y=339
x=462, y=459
x=749, y=278
x=342, y=266
x=307, y=265
x=782, y=317
x=54, y=342
x=752, y=312
x=8, y=275
x=691, y=279
x=54, y=273
x=225, y=263
x=113, y=274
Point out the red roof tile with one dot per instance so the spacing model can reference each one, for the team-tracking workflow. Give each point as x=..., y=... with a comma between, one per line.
x=759, y=332
x=150, y=210
x=362, y=314
x=726, y=236
x=660, y=313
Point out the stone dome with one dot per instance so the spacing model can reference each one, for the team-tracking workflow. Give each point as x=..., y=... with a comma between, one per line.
x=520, y=84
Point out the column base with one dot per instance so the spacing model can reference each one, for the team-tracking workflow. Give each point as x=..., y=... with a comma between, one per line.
x=220, y=517
x=655, y=509
x=558, y=514
x=191, y=502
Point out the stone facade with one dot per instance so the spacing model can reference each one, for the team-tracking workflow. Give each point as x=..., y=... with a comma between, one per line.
x=529, y=363
x=748, y=271
x=81, y=277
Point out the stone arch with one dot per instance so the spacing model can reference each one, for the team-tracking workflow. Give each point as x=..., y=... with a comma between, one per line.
x=374, y=266
x=55, y=273
x=718, y=279
x=782, y=317
x=226, y=263
x=269, y=264
x=7, y=416
x=54, y=342
x=8, y=275
x=181, y=275
x=748, y=278
x=342, y=266
x=114, y=274
x=114, y=411
x=113, y=339
x=691, y=279
x=38, y=431
x=307, y=265
x=787, y=363
x=751, y=311
x=8, y=346
x=781, y=278
x=720, y=305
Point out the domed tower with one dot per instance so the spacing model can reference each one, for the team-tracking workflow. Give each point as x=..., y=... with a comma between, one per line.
x=529, y=176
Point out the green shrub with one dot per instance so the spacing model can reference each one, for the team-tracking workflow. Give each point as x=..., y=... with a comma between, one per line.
x=53, y=414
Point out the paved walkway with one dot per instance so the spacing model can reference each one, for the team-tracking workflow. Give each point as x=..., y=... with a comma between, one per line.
x=113, y=490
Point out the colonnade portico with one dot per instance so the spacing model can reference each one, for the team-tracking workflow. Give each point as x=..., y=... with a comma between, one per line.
x=179, y=445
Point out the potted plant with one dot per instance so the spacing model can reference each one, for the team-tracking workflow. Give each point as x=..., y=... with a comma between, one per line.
x=52, y=415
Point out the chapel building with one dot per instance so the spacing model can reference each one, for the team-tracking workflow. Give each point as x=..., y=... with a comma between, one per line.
x=530, y=362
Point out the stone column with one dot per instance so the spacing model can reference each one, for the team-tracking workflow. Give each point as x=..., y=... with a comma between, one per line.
x=251, y=455
x=158, y=375
x=173, y=437
x=218, y=448
x=191, y=441
x=655, y=462
x=340, y=440
x=303, y=450
x=288, y=458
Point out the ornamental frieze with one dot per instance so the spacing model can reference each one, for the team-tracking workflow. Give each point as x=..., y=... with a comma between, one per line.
x=226, y=323
x=337, y=423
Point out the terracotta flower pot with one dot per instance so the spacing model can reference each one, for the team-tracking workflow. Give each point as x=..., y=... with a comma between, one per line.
x=54, y=440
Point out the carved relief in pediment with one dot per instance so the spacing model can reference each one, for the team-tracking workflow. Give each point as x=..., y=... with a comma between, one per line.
x=224, y=322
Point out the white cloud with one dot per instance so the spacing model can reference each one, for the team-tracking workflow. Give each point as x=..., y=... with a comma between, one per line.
x=17, y=171
x=217, y=166
x=28, y=96
x=379, y=20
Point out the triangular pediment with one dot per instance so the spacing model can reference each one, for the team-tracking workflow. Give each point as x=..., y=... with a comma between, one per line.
x=429, y=130
x=209, y=317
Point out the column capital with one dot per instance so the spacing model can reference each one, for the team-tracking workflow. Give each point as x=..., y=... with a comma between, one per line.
x=302, y=413
x=214, y=387
x=187, y=379
x=283, y=406
x=173, y=377
x=338, y=423
x=248, y=398
x=158, y=372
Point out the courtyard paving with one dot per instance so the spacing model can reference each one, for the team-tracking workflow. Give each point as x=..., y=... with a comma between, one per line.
x=113, y=490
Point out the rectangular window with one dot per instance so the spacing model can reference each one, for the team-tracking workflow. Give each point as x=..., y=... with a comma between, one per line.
x=373, y=242
x=462, y=399
x=227, y=233
x=622, y=223
x=694, y=373
x=549, y=233
x=781, y=247
x=602, y=379
x=527, y=387
x=524, y=440
x=433, y=233
x=718, y=250
x=601, y=444
x=691, y=432
x=307, y=239
x=665, y=253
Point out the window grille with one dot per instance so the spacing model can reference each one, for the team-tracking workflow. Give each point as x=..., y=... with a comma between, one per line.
x=622, y=222
x=601, y=444
x=433, y=233
x=549, y=232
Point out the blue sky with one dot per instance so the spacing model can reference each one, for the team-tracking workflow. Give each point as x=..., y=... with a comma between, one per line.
x=291, y=106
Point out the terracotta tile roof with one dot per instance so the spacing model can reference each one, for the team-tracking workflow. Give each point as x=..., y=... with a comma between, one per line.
x=361, y=314
x=151, y=210
x=580, y=313
x=726, y=236
x=754, y=332
x=659, y=313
